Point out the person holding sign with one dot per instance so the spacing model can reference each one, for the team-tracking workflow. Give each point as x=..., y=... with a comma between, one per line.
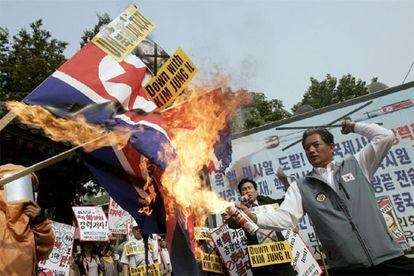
x=90, y=264
x=251, y=200
x=26, y=234
x=133, y=254
x=340, y=200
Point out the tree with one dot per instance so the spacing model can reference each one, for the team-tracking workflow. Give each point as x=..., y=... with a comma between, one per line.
x=27, y=60
x=329, y=91
x=262, y=111
x=103, y=20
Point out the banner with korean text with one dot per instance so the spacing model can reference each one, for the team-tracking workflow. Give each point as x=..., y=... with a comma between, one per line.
x=117, y=218
x=92, y=223
x=257, y=154
x=232, y=246
x=58, y=262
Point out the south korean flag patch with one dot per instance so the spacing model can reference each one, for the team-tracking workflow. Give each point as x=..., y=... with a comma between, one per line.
x=348, y=177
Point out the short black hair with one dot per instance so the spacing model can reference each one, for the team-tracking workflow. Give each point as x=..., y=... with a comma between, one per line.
x=245, y=180
x=326, y=136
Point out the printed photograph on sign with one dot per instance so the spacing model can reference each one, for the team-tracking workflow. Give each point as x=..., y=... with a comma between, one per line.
x=151, y=54
x=123, y=34
x=171, y=80
x=393, y=225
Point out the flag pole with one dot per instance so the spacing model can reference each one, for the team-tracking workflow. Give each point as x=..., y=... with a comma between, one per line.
x=6, y=119
x=45, y=163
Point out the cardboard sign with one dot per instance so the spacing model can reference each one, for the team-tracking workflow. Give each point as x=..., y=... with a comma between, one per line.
x=393, y=226
x=92, y=223
x=133, y=249
x=202, y=233
x=58, y=262
x=232, y=246
x=270, y=253
x=117, y=218
x=123, y=34
x=170, y=81
x=141, y=270
x=212, y=262
x=303, y=261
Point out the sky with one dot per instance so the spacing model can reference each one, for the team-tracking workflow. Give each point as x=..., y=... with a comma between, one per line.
x=267, y=46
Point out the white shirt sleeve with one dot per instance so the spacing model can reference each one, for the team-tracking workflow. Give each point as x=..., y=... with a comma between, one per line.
x=124, y=258
x=371, y=156
x=287, y=215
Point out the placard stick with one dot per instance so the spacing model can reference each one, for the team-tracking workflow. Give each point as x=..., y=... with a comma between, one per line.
x=6, y=119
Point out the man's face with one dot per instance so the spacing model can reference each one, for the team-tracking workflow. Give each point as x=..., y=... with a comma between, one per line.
x=249, y=190
x=136, y=233
x=317, y=151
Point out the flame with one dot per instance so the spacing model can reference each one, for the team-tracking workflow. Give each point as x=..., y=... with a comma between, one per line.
x=194, y=127
x=76, y=131
x=145, y=210
x=148, y=187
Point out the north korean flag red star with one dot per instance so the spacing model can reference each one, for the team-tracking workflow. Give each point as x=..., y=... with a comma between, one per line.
x=111, y=80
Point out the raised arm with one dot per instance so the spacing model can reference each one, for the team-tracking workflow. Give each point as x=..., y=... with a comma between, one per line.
x=371, y=156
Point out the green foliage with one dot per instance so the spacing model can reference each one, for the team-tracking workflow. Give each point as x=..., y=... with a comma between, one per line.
x=262, y=111
x=330, y=91
x=103, y=20
x=27, y=60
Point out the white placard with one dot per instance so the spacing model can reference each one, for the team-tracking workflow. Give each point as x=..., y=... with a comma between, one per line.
x=303, y=263
x=58, y=262
x=92, y=223
x=232, y=246
x=117, y=218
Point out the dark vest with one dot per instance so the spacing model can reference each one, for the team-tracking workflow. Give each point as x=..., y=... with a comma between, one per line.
x=349, y=223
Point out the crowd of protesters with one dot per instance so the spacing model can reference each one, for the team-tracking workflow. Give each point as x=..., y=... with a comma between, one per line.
x=335, y=194
x=107, y=259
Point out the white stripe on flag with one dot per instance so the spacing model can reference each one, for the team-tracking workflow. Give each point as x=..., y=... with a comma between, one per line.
x=84, y=89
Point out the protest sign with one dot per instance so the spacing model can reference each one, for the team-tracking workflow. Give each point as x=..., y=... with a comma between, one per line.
x=117, y=218
x=212, y=262
x=129, y=233
x=170, y=81
x=134, y=248
x=58, y=262
x=92, y=223
x=123, y=34
x=303, y=261
x=393, y=226
x=202, y=233
x=141, y=270
x=232, y=247
x=269, y=253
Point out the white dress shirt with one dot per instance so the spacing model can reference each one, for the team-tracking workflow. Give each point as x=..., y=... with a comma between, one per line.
x=369, y=158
